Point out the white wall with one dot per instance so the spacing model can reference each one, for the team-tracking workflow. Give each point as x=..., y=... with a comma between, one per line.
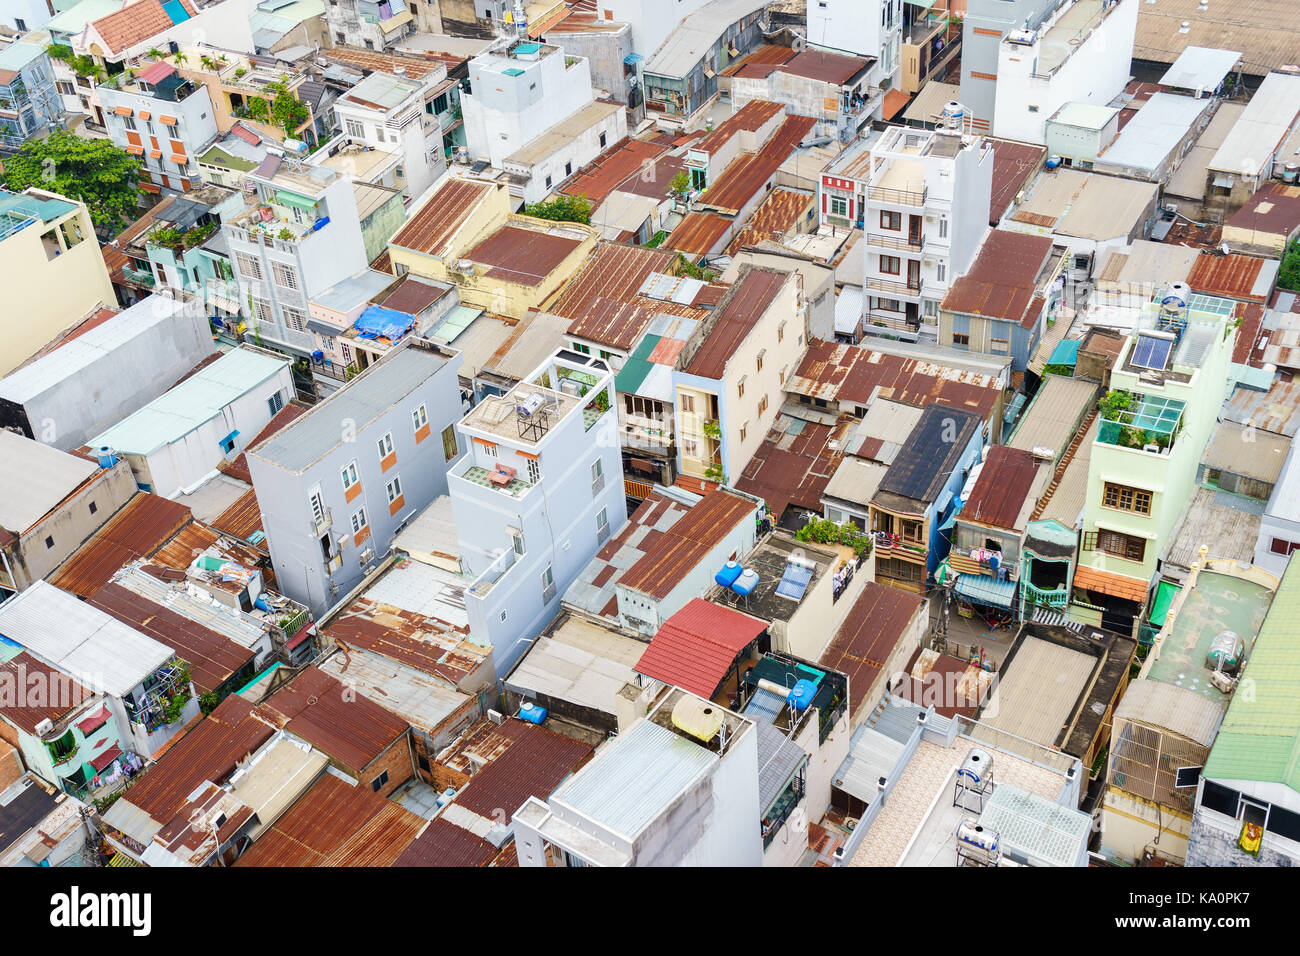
x=651, y=21
x=1096, y=72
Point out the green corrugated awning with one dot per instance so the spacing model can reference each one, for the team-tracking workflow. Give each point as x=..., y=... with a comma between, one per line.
x=286, y=198
x=1164, y=598
x=1065, y=353
x=925, y=4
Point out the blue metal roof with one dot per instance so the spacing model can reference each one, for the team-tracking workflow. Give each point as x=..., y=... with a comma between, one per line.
x=985, y=590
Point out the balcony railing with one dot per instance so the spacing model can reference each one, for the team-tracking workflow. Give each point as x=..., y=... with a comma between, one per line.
x=1057, y=597
x=905, y=289
x=897, y=197
x=901, y=245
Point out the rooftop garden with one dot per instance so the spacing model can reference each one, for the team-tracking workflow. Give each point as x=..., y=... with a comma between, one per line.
x=1131, y=420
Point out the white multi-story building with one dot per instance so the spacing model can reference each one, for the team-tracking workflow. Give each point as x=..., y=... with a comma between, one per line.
x=532, y=113
x=537, y=494
x=337, y=484
x=299, y=238
x=1080, y=54
x=384, y=116
x=925, y=213
x=163, y=119
x=373, y=24
x=864, y=27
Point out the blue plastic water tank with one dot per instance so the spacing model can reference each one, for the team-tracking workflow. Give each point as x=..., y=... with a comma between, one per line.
x=745, y=582
x=727, y=576
x=318, y=356
x=802, y=694
x=320, y=223
x=263, y=602
x=107, y=457
x=532, y=713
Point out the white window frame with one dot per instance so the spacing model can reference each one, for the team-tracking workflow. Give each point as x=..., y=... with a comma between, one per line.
x=359, y=526
x=353, y=478
x=385, y=445
x=419, y=418
x=394, y=489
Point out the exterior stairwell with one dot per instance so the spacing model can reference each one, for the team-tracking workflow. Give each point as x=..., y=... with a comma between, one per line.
x=1060, y=469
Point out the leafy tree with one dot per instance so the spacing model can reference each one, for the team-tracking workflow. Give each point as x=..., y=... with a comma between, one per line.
x=1288, y=276
x=92, y=170
x=287, y=111
x=689, y=269
x=562, y=209
x=681, y=182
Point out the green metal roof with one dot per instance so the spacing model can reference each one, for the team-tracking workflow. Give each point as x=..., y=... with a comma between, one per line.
x=1164, y=597
x=1260, y=736
x=637, y=366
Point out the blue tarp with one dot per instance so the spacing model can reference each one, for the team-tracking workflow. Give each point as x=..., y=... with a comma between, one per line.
x=985, y=590
x=380, y=323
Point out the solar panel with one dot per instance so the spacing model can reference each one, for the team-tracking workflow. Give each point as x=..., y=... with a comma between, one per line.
x=1151, y=352
x=794, y=582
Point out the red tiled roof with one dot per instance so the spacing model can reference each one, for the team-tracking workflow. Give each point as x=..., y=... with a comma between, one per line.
x=155, y=72
x=246, y=134
x=1002, y=488
x=134, y=24
x=350, y=728
x=696, y=647
x=876, y=623
x=104, y=760
x=1233, y=276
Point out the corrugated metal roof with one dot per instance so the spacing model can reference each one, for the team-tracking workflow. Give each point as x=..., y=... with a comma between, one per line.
x=696, y=647
x=80, y=640
x=1250, y=453
x=1002, y=496
x=1053, y=416
x=431, y=227
x=1038, y=690
x=580, y=663
x=336, y=824
x=872, y=755
x=423, y=701
x=879, y=619
x=34, y=478
x=1152, y=135
x=751, y=172
x=779, y=759
x=930, y=453
x=1247, y=278
x=143, y=526
x=534, y=764
x=1261, y=127
x=1260, y=736
x=855, y=480
x=213, y=658
x=1171, y=708
x=523, y=256
x=1200, y=68
x=442, y=843
x=782, y=211
x=753, y=293
x=1002, y=282
x=634, y=778
x=351, y=728
x=360, y=402
x=60, y=694
x=1066, y=503
x=1276, y=411
x=671, y=552
x=699, y=233
x=1226, y=524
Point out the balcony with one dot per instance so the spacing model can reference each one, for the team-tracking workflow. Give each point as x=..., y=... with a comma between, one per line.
x=1145, y=423
x=139, y=276
x=897, y=197
x=875, y=241
x=475, y=475
x=486, y=581
x=893, y=288
x=1056, y=597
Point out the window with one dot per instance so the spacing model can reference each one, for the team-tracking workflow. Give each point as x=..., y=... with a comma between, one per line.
x=394, y=489
x=743, y=429
x=340, y=38
x=961, y=341
x=248, y=266
x=385, y=445
x=129, y=121
x=548, y=585
x=490, y=450
x=943, y=228
x=49, y=543
x=317, y=507
x=568, y=169
x=584, y=349
x=998, y=346
x=597, y=476
x=534, y=471
x=759, y=362
x=1283, y=548
x=602, y=521
x=275, y=403
x=449, y=449
x=1124, y=498
x=419, y=418
x=66, y=88
x=349, y=475
x=517, y=541
x=839, y=206
x=940, y=272
x=548, y=180
x=93, y=507
x=891, y=220
x=762, y=405
x=1033, y=108
x=285, y=276
x=228, y=444
x=1113, y=542
x=359, y=522
x=890, y=265
x=378, y=783
x=740, y=387
x=780, y=332
x=602, y=140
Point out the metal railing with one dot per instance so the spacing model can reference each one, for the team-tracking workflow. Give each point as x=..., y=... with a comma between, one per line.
x=892, y=287
x=897, y=197
x=901, y=245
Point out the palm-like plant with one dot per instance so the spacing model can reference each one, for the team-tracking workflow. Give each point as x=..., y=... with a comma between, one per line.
x=154, y=53
x=180, y=59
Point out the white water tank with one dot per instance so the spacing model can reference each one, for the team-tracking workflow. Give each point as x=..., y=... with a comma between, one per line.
x=976, y=768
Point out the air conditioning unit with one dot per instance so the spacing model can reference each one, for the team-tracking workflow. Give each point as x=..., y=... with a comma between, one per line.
x=366, y=556
x=44, y=727
x=496, y=717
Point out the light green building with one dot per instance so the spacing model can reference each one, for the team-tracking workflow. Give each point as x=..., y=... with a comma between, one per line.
x=1166, y=389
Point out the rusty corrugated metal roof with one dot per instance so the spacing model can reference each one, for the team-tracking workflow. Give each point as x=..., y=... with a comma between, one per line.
x=60, y=694
x=1014, y=164
x=425, y=643
x=698, y=234
x=1002, y=488
x=143, y=526
x=534, y=764
x=1233, y=276
x=795, y=463
x=433, y=224
x=523, y=256
x=743, y=307
x=751, y=172
x=879, y=619
x=605, y=174
x=780, y=212
x=350, y=728
x=336, y=824
x=668, y=554
x=238, y=469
